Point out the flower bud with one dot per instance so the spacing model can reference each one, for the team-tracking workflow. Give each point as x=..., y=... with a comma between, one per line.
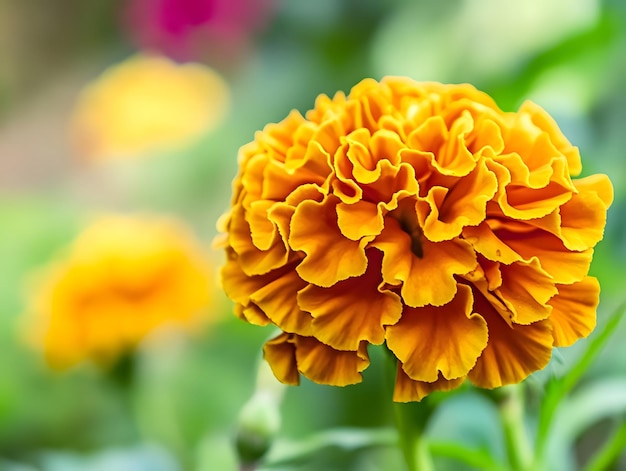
x=259, y=423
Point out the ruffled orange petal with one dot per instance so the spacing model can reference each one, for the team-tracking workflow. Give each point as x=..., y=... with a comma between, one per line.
x=425, y=353
x=443, y=213
x=364, y=165
x=487, y=243
x=517, y=199
x=329, y=134
x=409, y=390
x=238, y=286
x=353, y=310
x=386, y=145
x=263, y=231
x=544, y=122
x=520, y=202
x=395, y=182
x=583, y=217
x=277, y=138
x=449, y=155
x=513, y=352
x=525, y=288
x=539, y=161
x=574, y=311
x=428, y=279
x=563, y=265
x=325, y=365
x=486, y=137
x=279, y=180
x=277, y=298
x=251, y=183
x=280, y=353
x=330, y=257
x=360, y=219
x=254, y=261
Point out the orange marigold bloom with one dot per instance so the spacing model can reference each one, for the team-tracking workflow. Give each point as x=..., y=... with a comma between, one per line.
x=418, y=215
x=123, y=278
x=144, y=104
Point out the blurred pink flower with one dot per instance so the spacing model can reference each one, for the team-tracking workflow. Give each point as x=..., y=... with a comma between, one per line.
x=218, y=30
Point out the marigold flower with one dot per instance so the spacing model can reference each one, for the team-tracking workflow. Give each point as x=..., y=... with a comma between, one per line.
x=123, y=278
x=418, y=215
x=147, y=103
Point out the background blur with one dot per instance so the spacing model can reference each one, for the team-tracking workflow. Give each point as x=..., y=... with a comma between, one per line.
x=181, y=408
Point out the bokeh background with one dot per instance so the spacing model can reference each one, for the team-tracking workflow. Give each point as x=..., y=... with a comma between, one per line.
x=179, y=410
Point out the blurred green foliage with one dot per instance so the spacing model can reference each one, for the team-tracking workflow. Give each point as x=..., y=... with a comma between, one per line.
x=180, y=407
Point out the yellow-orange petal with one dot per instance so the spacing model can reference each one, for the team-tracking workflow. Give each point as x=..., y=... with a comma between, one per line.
x=425, y=353
x=353, y=310
x=443, y=214
x=598, y=183
x=254, y=261
x=360, y=219
x=449, y=154
x=277, y=299
x=238, y=286
x=395, y=182
x=329, y=256
x=525, y=289
x=263, y=231
x=544, y=121
x=512, y=352
x=386, y=145
x=329, y=134
x=521, y=202
x=583, y=217
x=428, y=279
x=410, y=390
x=486, y=137
x=487, y=243
x=277, y=138
x=280, y=353
x=279, y=180
x=574, y=311
x=251, y=183
x=364, y=165
x=323, y=364
x=539, y=161
x=563, y=265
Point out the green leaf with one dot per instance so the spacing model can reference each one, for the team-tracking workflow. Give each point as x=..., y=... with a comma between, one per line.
x=583, y=409
x=290, y=452
x=557, y=388
x=476, y=458
x=610, y=452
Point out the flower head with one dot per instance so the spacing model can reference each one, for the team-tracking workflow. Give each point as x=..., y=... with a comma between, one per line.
x=418, y=215
x=147, y=103
x=123, y=278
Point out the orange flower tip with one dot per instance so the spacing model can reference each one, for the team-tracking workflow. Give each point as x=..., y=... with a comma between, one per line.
x=420, y=215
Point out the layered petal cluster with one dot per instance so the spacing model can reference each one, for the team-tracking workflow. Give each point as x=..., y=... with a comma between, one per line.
x=123, y=278
x=147, y=103
x=418, y=215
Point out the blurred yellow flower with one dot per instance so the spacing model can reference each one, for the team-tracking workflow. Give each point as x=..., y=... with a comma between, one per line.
x=123, y=278
x=421, y=216
x=147, y=103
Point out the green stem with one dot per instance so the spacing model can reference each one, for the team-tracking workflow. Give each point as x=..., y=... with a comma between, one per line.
x=511, y=409
x=411, y=419
x=610, y=452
